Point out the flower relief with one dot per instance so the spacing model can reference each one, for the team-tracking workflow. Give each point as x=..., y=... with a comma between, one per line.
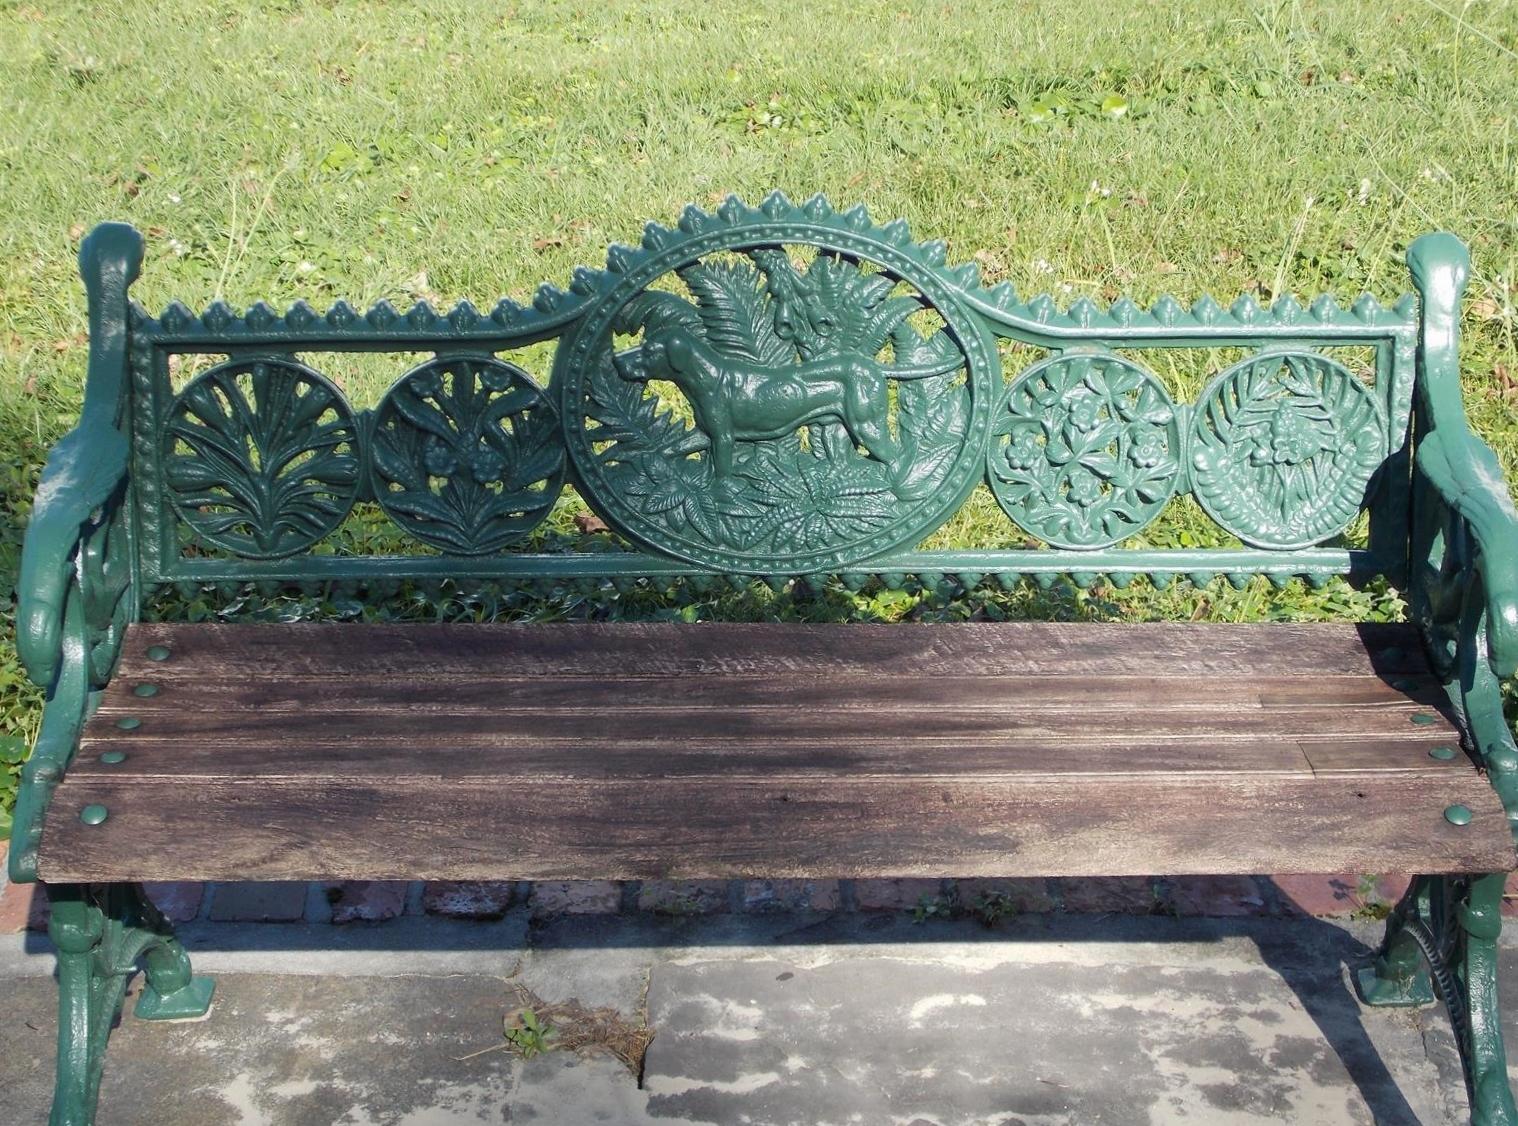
x=467, y=454
x=261, y=457
x=1091, y=450
x=1291, y=438
x=1284, y=446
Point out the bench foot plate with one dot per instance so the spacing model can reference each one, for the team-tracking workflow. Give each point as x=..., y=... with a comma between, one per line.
x=193, y=1002
x=1381, y=987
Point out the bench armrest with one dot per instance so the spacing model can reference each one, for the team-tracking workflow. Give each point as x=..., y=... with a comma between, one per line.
x=71, y=584
x=86, y=468
x=1453, y=467
x=1467, y=596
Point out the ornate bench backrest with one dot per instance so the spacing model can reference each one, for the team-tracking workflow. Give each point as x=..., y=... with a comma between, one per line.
x=777, y=391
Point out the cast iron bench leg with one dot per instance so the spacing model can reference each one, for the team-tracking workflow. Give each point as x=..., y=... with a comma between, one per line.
x=1442, y=939
x=101, y=931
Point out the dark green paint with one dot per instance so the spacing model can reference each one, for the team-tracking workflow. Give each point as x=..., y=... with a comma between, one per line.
x=259, y=457
x=1089, y=450
x=839, y=391
x=845, y=394
x=1284, y=444
x=111, y=758
x=1441, y=940
x=1443, y=754
x=1457, y=815
x=144, y=689
x=467, y=454
x=102, y=933
x=94, y=814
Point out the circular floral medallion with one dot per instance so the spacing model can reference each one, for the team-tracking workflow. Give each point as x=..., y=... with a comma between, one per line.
x=1087, y=451
x=467, y=453
x=261, y=457
x=1283, y=447
x=777, y=396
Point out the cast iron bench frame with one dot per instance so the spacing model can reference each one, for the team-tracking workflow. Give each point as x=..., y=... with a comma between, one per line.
x=122, y=512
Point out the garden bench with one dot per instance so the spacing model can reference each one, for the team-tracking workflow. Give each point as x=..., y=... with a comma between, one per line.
x=791, y=395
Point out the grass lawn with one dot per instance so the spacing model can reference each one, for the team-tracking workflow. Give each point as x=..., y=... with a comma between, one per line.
x=365, y=150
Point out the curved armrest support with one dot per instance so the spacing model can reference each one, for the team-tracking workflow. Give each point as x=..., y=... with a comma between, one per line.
x=62, y=720
x=86, y=466
x=82, y=472
x=1461, y=469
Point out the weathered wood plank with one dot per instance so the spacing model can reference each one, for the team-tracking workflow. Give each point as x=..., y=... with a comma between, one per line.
x=1348, y=756
x=690, y=828
x=719, y=730
x=1157, y=650
x=190, y=763
x=373, y=760
x=848, y=692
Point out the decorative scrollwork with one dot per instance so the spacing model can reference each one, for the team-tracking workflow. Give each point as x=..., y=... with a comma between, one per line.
x=104, y=577
x=467, y=454
x=1089, y=452
x=261, y=457
x=791, y=399
x=1283, y=447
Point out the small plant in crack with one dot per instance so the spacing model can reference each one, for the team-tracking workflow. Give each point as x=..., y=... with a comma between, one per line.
x=1367, y=900
x=533, y=1026
x=991, y=907
x=531, y=1036
x=933, y=907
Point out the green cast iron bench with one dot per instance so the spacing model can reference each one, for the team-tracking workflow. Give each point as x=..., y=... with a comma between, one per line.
x=791, y=395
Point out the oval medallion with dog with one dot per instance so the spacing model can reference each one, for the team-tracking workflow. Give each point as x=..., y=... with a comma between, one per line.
x=778, y=396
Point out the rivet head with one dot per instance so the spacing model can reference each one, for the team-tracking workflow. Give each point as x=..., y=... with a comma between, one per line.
x=94, y=814
x=129, y=723
x=111, y=758
x=1423, y=719
x=145, y=689
x=1443, y=754
x=1457, y=815
x=158, y=652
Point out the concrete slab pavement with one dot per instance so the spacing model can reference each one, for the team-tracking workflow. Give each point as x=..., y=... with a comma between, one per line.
x=772, y=1019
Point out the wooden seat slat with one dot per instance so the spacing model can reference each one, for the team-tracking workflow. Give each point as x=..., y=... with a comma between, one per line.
x=850, y=693
x=209, y=651
x=716, y=728
x=1110, y=757
x=691, y=828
